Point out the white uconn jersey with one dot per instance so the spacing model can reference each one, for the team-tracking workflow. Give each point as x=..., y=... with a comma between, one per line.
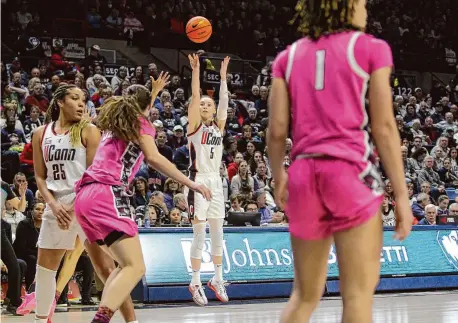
x=65, y=163
x=205, y=149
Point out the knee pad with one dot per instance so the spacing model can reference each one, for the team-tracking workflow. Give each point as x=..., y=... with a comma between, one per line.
x=216, y=236
x=45, y=290
x=199, y=240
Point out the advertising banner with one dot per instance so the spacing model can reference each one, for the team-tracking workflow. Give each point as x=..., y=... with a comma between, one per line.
x=265, y=255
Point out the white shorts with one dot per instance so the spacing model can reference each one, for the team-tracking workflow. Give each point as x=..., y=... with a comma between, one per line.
x=53, y=237
x=199, y=207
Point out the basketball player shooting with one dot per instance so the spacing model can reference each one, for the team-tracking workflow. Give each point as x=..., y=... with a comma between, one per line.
x=205, y=136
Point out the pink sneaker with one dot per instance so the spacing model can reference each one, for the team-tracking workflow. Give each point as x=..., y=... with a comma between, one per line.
x=28, y=304
x=53, y=308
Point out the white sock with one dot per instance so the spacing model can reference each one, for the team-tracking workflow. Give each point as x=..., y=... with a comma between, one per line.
x=133, y=322
x=196, y=277
x=219, y=272
x=37, y=320
x=45, y=291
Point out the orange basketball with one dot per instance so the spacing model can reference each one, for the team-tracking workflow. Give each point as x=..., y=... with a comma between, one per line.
x=198, y=29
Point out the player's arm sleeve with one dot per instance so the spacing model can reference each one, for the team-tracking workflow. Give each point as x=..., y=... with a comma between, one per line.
x=147, y=128
x=223, y=103
x=279, y=65
x=372, y=54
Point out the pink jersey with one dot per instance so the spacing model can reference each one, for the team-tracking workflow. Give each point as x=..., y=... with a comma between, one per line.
x=116, y=161
x=327, y=82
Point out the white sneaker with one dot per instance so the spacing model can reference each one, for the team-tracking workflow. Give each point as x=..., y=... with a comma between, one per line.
x=219, y=287
x=198, y=294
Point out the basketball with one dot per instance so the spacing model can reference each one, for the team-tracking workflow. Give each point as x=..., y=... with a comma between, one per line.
x=198, y=29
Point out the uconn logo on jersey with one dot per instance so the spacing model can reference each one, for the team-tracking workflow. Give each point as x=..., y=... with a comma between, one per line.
x=52, y=154
x=209, y=138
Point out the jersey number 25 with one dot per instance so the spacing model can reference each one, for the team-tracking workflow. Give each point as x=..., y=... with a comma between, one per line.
x=58, y=172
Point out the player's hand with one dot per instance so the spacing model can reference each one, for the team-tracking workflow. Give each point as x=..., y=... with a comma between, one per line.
x=223, y=70
x=404, y=219
x=194, y=61
x=206, y=193
x=22, y=189
x=62, y=214
x=161, y=82
x=86, y=115
x=4, y=268
x=281, y=190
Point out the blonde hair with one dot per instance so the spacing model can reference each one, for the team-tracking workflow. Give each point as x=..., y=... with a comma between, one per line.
x=53, y=112
x=321, y=17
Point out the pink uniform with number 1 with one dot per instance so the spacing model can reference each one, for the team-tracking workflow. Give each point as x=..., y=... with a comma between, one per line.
x=102, y=204
x=334, y=183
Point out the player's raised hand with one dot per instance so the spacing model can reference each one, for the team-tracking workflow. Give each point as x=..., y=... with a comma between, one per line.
x=194, y=61
x=206, y=193
x=223, y=70
x=161, y=82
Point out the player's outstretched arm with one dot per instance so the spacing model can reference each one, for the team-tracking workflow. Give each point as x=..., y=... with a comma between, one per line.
x=154, y=158
x=223, y=104
x=193, y=109
x=158, y=84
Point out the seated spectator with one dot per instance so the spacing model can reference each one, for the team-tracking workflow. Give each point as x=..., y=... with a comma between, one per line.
x=114, y=21
x=19, y=182
x=25, y=245
x=117, y=80
x=230, y=150
x=11, y=137
x=168, y=118
x=242, y=182
x=175, y=217
x=18, y=91
x=447, y=174
x=171, y=188
x=418, y=207
x=427, y=174
x=442, y=208
x=164, y=150
x=261, y=175
x=453, y=209
x=93, y=18
x=142, y=194
x=153, y=215
x=37, y=98
x=10, y=112
x=226, y=183
x=233, y=167
x=157, y=198
x=32, y=122
x=233, y=126
x=388, y=216
x=12, y=217
x=177, y=139
x=155, y=179
x=430, y=215
x=266, y=213
x=179, y=201
x=236, y=201
x=131, y=27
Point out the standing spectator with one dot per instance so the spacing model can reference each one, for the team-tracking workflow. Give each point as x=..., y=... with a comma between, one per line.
x=25, y=245
x=23, y=16
x=132, y=26
x=93, y=58
x=32, y=123
x=12, y=217
x=18, y=89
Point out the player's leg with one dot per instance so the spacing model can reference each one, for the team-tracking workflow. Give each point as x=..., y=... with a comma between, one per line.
x=104, y=266
x=45, y=286
x=216, y=213
x=198, y=208
x=358, y=255
x=310, y=272
x=69, y=265
x=128, y=253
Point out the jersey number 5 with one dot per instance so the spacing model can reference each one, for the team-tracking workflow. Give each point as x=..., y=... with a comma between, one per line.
x=212, y=152
x=319, y=69
x=58, y=172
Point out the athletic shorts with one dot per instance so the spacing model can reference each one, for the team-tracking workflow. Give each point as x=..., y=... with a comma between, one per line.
x=199, y=207
x=53, y=237
x=104, y=213
x=328, y=195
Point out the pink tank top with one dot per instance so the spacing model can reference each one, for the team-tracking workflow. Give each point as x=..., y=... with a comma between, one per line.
x=327, y=83
x=116, y=162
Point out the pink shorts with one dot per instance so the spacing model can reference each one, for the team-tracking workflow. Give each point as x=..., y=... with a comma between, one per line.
x=103, y=212
x=328, y=195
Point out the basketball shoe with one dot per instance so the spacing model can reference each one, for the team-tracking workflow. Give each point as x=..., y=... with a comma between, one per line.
x=219, y=287
x=198, y=295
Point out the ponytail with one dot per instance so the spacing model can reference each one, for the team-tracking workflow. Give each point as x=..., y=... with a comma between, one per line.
x=121, y=116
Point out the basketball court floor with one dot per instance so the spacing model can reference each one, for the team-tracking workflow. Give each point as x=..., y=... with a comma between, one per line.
x=438, y=307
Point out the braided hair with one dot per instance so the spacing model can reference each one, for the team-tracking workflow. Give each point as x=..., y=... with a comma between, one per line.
x=121, y=115
x=53, y=112
x=323, y=17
